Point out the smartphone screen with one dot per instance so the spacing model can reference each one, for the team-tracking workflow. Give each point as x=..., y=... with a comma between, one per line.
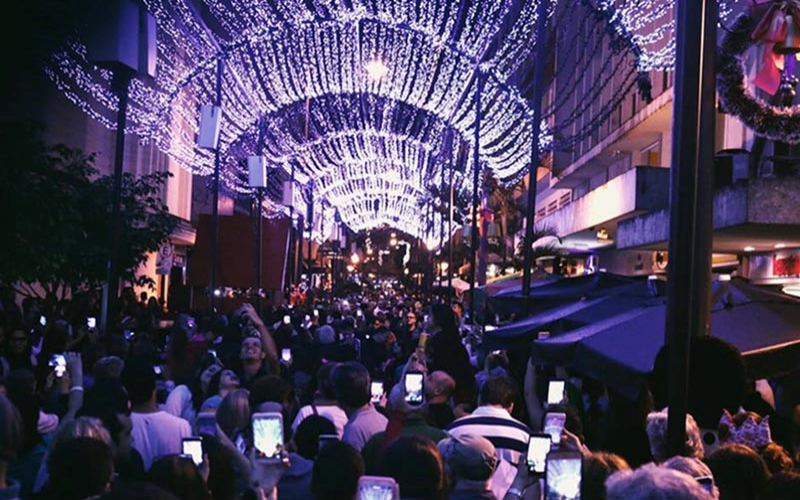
x=563, y=476
x=413, y=388
x=207, y=424
x=193, y=447
x=555, y=392
x=286, y=354
x=268, y=435
x=538, y=448
x=59, y=364
x=376, y=391
x=129, y=334
x=377, y=488
x=42, y=320
x=91, y=323
x=554, y=425
x=287, y=319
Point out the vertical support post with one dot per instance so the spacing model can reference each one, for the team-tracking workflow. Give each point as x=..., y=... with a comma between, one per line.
x=259, y=249
x=476, y=180
x=689, y=271
x=536, y=122
x=450, y=228
x=212, y=285
x=108, y=313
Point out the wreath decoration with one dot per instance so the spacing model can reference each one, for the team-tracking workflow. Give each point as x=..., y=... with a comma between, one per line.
x=778, y=123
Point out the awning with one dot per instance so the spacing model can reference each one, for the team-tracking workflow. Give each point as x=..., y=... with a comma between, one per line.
x=620, y=351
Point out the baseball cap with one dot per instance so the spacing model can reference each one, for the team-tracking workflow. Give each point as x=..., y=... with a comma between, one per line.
x=469, y=457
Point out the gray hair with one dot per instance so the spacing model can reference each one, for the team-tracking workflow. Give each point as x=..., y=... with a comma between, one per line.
x=693, y=467
x=657, y=436
x=651, y=482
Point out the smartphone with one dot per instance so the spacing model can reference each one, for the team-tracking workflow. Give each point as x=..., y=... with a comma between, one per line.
x=193, y=447
x=376, y=391
x=59, y=363
x=286, y=354
x=287, y=319
x=377, y=488
x=538, y=447
x=707, y=482
x=158, y=370
x=91, y=322
x=554, y=425
x=359, y=313
x=316, y=313
x=129, y=334
x=325, y=439
x=412, y=387
x=556, y=392
x=207, y=424
x=563, y=472
x=42, y=320
x=268, y=435
x=307, y=318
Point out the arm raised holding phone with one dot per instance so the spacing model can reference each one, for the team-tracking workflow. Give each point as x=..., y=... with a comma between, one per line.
x=248, y=312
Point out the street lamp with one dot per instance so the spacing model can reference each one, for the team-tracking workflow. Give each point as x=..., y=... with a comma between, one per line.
x=376, y=68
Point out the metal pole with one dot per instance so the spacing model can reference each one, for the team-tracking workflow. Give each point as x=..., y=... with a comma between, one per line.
x=292, y=238
x=690, y=201
x=476, y=179
x=450, y=230
x=259, y=249
x=536, y=120
x=108, y=313
x=310, y=222
x=212, y=285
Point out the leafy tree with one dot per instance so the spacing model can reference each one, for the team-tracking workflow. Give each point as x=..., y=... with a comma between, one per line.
x=58, y=225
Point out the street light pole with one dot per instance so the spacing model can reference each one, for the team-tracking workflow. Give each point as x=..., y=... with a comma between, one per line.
x=691, y=195
x=108, y=314
x=476, y=178
x=212, y=285
x=536, y=120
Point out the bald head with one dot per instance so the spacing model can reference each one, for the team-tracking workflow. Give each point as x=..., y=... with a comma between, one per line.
x=439, y=387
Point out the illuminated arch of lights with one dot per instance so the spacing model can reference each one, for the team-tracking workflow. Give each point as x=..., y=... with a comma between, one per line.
x=296, y=89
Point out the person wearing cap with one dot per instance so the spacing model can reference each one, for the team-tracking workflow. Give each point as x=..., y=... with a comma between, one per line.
x=469, y=462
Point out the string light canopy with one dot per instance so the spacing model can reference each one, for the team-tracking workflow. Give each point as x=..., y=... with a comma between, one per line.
x=355, y=96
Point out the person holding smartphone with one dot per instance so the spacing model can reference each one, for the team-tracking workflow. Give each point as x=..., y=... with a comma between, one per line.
x=258, y=353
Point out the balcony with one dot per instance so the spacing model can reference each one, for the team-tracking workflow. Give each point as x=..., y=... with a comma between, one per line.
x=640, y=190
x=758, y=213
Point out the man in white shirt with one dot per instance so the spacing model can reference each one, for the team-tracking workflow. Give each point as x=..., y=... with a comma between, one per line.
x=155, y=433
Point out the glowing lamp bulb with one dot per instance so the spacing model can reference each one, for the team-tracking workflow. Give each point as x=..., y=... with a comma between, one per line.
x=376, y=69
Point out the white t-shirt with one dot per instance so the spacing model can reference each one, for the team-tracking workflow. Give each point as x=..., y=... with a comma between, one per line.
x=158, y=434
x=331, y=412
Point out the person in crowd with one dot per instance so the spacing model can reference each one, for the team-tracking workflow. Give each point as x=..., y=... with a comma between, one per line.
x=17, y=351
x=469, y=461
x=306, y=436
x=657, y=435
x=351, y=385
x=80, y=427
x=408, y=333
x=784, y=485
x=80, y=468
x=416, y=464
x=324, y=402
x=233, y=414
x=739, y=472
x=11, y=436
x=219, y=385
x=180, y=476
x=597, y=467
x=444, y=351
x=405, y=420
x=695, y=468
x=492, y=419
x=750, y=429
x=651, y=482
x=496, y=363
x=336, y=472
x=154, y=432
x=439, y=389
x=258, y=354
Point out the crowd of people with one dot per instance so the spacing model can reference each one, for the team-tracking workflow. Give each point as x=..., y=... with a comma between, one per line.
x=368, y=397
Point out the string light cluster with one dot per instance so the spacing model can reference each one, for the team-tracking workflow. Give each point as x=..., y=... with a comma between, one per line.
x=296, y=76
